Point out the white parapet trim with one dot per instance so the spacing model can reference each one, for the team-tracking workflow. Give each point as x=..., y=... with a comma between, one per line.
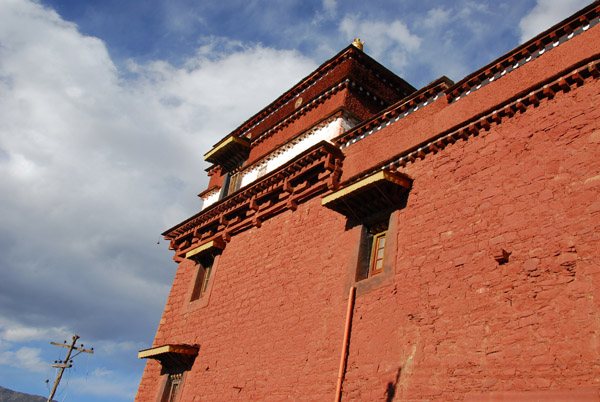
x=294, y=148
x=280, y=156
x=211, y=198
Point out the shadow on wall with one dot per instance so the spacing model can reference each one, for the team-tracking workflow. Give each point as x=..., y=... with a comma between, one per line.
x=390, y=390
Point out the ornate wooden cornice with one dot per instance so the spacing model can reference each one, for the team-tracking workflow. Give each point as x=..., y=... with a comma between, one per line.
x=572, y=77
x=392, y=114
x=385, y=77
x=315, y=170
x=350, y=52
x=547, y=40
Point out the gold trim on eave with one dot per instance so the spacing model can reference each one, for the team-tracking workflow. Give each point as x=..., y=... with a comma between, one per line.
x=203, y=247
x=375, y=177
x=223, y=144
x=180, y=349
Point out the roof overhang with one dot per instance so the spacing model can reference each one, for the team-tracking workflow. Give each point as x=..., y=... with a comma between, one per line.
x=212, y=245
x=229, y=153
x=171, y=357
x=383, y=190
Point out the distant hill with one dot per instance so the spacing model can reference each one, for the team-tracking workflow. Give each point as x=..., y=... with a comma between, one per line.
x=7, y=395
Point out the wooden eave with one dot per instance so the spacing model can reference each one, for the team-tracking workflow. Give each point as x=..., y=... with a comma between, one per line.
x=213, y=245
x=377, y=192
x=539, y=42
x=173, y=358
x=229, y=153
x=313, y=171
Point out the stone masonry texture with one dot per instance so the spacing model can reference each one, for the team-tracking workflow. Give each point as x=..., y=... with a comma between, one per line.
x=447, y=321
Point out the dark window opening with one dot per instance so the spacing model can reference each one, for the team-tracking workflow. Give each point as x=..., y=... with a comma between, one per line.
x=232, y=181
x=172, y=387
x=377, y=251
x=204, y=265
x=372, y=249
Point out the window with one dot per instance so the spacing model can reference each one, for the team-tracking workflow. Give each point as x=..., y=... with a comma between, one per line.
x=171, y=388
x=377, y=252
x=204, y=265
x=175, y=361
x=372, y=249
x=234, y=182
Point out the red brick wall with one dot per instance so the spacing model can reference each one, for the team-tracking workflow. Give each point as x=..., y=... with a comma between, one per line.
x=456, y=322
x=452, y=322
x=444, y=321
x=275, y=317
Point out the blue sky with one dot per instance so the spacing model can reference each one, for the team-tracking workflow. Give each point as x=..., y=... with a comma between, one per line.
x=106, y=108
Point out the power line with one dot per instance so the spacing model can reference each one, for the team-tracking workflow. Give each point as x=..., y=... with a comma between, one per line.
x=67, y=362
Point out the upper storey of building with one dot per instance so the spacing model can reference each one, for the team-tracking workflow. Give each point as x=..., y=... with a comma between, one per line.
x=355, y=111
x=349, y=88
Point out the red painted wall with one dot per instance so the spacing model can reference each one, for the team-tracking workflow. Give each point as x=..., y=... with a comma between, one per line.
x=444, y=321
x=455, y=322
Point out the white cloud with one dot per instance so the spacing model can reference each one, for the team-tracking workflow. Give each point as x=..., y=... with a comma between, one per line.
x=101, y=372
x=383, y=38
x=95, y=162
x=547, y=13
x=13, y=331
x=325, y=15
x=329, y=6
x=23, y=358
x=119, y=347
x=436, y=17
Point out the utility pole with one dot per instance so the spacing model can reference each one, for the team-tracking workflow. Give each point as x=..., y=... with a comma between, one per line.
x=63, y=364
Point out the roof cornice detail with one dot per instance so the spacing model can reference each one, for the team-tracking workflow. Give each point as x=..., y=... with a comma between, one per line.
x=350, y=52
x=209, y=191
x=347, y=83
x=392, y=114
x=546, y=41
x=574, y=76
x=312, y=172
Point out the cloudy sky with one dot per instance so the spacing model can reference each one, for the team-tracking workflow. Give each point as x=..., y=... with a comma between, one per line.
x=106, y=108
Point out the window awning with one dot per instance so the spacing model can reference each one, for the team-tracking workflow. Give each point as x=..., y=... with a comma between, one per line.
x=383, y=190
x=229, y=153
x=171, y=357
x=212, y=245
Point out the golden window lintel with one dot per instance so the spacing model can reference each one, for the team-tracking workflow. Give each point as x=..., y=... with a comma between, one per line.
x=204, y=247
x=382, y=175
x=226, y=143
x=160, y=350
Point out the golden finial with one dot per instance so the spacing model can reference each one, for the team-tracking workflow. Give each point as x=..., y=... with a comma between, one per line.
x=358, y=44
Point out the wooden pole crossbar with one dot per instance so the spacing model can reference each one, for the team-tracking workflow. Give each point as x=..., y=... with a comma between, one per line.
x=65, y=363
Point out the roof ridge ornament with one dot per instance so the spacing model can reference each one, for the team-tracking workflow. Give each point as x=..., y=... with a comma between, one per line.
x=357, y=43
